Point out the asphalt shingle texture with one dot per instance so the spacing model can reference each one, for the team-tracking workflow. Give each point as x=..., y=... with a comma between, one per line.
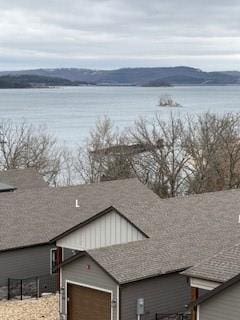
x=183, y=231
x=35, y=216
x=22, y=178
x=221, y=267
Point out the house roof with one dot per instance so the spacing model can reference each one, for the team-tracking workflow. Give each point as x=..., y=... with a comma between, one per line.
x=218, y=290
x=219, y=268
x=6, y=187
x=183, y=232
x=22, y=178
x=29, y=217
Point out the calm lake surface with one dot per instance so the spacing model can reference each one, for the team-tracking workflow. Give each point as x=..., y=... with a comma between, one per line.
x=70, y=112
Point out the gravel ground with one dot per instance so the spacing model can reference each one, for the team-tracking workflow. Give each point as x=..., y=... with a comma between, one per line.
x=30, y=309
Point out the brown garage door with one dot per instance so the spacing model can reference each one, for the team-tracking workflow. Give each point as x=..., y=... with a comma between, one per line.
x=88, y=304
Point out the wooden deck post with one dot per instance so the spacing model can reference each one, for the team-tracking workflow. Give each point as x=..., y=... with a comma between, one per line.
x=194, y=297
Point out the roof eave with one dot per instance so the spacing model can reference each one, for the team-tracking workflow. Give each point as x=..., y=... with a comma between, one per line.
x=217, y=290
x=152, y=276
x=25, y=247
x=195, y=276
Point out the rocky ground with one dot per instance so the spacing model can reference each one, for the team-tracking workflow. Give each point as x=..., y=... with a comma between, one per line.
x=30, y=309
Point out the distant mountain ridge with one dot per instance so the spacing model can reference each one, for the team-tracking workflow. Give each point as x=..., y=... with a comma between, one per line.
x=155, y=76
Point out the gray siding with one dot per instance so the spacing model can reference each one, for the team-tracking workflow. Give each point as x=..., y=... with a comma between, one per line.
x=202, y=292
x=24, y=263
x=224, y=306
x=67, y=253
x=166, y=294
x=78, y=272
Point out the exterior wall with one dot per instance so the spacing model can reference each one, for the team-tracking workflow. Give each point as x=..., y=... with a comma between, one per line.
x=201, y=292
x=67, y=253
x=85, y=271
x=166, y=294
x=107, y=230
x=223, y=306
x=24, y=263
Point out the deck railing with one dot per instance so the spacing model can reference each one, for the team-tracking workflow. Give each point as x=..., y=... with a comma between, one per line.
x=32, y=287
x=173, y=316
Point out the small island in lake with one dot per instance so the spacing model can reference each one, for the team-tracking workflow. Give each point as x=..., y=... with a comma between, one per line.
x=157, y=83
x=167, y=101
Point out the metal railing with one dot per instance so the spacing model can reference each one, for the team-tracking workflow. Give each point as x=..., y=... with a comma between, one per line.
x=174, y=316
x=32, y=287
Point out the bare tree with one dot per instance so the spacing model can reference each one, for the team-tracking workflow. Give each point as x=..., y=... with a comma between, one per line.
x=163, y=164
x=67, y=175
x=213, y=143
x=172, y=157
x=102, y=157
x=24, y=146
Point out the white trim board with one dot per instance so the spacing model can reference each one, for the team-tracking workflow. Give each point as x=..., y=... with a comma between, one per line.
x=203, y=284
x=118, y=299
x=51, y=262
x=198, y=312
x=90, y=287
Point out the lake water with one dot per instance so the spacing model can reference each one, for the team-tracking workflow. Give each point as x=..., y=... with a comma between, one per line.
x=70, y=112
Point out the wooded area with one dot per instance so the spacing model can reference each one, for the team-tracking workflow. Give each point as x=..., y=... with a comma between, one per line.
x=174, y=157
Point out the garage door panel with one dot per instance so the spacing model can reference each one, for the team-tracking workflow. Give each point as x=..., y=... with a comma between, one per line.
x=88, y=304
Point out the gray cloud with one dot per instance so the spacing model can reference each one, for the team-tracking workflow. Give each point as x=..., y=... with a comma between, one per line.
x=117, y=33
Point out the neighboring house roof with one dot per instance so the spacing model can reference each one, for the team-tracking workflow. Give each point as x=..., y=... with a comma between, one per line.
x=6, y=187
x=183, y=232
x=218, y=290
x=35, y=216
x=22, y=178
x=219, y=268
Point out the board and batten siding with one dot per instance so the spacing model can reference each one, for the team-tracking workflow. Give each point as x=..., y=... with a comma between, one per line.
x=223, y=306
x=107, y=230
x=85, y=271
x=164, y=294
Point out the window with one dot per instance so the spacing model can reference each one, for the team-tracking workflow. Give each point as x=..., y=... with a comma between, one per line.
x=53, y=261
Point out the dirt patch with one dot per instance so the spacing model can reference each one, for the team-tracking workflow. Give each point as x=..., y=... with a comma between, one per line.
x=46, y=308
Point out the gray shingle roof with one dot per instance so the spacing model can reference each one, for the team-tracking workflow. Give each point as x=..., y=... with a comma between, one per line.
x=221, y=267
x=22, y=178
x=212, y=293
x=6, y=187
x=35, y=216
x=183, y=232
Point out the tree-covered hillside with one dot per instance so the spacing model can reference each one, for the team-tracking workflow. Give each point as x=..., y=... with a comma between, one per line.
x=35, y=81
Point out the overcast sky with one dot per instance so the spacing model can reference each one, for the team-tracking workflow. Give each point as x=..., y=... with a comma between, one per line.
x=119, y=33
